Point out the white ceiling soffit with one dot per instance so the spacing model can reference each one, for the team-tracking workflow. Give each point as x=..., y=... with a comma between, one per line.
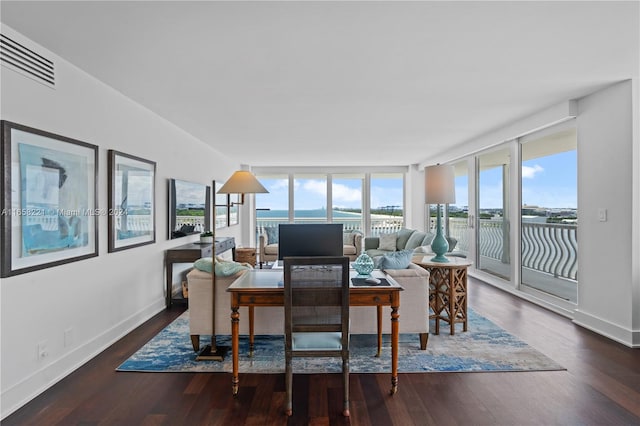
x=340, y=83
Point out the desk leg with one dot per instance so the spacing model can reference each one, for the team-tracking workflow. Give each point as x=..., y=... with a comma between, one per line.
x=251, y=339
x=235, y=328
x=394, y=346
x=379, y=312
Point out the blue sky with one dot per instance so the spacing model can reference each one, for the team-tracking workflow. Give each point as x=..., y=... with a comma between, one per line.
x=549, y=181
x=311, y=194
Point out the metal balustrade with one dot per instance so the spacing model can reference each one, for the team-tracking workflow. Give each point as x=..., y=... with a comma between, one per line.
x=546, y=247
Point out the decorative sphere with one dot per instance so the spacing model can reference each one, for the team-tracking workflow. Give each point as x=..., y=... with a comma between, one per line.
x=363, y=264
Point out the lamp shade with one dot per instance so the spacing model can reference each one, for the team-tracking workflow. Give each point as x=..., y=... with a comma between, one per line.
x=439, y=183
x=242, y=182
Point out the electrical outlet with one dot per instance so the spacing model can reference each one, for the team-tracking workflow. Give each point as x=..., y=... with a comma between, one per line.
x=42, y=350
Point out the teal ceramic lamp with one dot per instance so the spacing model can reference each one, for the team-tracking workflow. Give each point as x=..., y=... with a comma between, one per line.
x=439, y=189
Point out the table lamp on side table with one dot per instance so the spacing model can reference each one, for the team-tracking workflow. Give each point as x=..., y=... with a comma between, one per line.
x=439, y=189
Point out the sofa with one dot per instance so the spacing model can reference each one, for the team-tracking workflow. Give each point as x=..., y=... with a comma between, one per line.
x=268, y=244
x=414, y=308
x=404, y=239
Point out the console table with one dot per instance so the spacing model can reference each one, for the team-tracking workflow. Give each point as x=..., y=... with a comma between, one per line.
x=447, y=290
x=189, y=253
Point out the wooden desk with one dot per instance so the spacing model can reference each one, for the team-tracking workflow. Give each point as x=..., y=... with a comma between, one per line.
x=189, y=253
x=265, y=288
x=447, y=290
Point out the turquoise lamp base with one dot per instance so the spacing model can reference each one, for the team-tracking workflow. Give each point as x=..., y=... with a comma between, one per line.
x=439, y=245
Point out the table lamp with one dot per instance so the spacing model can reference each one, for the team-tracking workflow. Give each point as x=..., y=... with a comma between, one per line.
x=439, y=189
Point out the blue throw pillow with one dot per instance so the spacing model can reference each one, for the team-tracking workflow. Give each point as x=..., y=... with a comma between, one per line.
x=272, y=234
x=396, y=260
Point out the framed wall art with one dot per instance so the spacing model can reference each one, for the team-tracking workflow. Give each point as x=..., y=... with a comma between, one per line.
x=132, y=206
x=49, y=199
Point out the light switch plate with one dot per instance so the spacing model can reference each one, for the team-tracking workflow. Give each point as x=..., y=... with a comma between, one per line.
x=602, y=215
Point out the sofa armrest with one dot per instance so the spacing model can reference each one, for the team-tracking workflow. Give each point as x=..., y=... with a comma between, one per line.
x=412, y=270
x=371, y=243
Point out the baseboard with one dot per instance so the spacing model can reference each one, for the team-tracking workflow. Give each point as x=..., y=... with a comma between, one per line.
x=612, y=331
x=40, y=380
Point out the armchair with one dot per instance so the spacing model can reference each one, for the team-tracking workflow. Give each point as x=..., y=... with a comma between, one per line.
x=268, y=244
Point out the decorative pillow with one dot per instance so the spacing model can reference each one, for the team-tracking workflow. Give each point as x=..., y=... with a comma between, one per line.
x=415, y=240
x=348, y=237
x=272, y=234
x=223, y=268
x=427, y=239
x=387, y=242
x=396, y=260
x=402, y=238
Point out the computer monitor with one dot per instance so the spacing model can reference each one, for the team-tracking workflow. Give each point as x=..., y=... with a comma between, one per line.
x=321, y=239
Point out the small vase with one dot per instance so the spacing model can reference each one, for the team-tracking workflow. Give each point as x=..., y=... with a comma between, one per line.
x=206, y=240
x=363, y=264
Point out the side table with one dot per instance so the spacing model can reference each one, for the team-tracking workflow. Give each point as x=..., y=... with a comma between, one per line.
x=447, y=290
x=189, y=253
x=246, y=255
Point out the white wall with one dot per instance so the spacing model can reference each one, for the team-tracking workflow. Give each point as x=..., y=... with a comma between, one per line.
x=606, y=177
x=103, y=298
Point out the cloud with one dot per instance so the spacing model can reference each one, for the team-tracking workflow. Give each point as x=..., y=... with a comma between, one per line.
x=530, y=172
x=316, y=186
x=344, y=194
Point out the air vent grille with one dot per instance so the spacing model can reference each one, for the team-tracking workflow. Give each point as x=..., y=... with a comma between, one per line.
x=26, y=61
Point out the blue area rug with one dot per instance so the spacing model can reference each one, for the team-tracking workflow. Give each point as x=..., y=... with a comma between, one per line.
x=485, y=347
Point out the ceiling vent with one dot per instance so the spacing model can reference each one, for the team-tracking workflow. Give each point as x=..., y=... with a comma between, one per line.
x=27, y=62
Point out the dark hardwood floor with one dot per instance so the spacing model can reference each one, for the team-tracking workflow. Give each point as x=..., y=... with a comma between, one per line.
x=601, y=386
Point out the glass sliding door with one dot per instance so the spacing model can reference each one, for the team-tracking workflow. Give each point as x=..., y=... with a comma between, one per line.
x=549, y=217
x=458, y=213
x=493, y=227
x=310, y=198
x=346, y=199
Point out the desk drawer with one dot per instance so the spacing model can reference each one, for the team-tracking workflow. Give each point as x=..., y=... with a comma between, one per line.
x=261, y=299
x=370, y=299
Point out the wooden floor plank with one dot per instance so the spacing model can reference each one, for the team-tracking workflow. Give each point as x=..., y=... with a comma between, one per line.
x=600, y=386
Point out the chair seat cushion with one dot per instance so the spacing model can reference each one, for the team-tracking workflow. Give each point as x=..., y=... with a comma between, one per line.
x=271, y=249
x=348, y=249
x=316, y=341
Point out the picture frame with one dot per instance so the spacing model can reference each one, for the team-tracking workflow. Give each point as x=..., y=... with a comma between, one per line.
x=50, y=212
x=132, y=205
x=233, y=210
x=221, y=206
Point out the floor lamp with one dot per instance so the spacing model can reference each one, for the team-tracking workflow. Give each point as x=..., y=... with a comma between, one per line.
x=241, y=182
x=439, y=189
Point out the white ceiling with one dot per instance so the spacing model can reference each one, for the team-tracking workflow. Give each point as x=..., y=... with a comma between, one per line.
x=340, y=83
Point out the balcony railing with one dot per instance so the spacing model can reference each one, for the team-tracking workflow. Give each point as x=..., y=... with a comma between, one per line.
x=379, y=223
x=546, y=247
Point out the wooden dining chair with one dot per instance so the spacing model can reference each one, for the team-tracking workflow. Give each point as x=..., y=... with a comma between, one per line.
x=316, y=308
